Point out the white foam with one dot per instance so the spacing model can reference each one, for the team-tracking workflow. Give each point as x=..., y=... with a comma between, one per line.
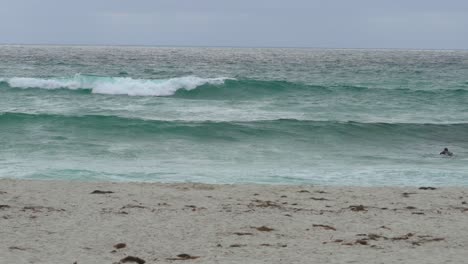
x=141, y=87
x=22, y=82
x=116, y=85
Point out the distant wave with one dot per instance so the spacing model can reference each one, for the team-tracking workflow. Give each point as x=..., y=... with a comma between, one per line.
x=197, y=87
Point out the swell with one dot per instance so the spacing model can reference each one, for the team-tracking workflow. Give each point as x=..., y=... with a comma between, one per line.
x=96, y=125
x=204, y=88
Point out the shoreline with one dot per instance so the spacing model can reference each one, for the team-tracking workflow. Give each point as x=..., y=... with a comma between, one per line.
x=49, y=221
x=98, y=181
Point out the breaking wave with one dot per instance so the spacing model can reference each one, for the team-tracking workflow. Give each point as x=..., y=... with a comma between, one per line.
x=206, y=88
x=115, y=85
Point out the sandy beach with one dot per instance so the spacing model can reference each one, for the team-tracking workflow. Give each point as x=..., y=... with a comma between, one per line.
x=77, y=222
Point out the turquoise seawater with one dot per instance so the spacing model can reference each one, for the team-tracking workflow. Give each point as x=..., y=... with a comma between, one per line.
x=227, y=115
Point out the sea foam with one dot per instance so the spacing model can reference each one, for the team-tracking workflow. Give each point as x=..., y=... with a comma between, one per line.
x=116, y=85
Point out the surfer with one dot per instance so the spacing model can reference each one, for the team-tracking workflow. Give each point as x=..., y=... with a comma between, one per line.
x=446, y=152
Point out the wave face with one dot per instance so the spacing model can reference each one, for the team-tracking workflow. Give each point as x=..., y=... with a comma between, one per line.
x=386, y=133
x=281, y=116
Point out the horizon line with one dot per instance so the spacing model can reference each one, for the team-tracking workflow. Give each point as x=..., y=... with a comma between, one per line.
x=227, y=46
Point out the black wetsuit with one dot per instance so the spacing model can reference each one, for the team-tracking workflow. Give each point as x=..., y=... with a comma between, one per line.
x=446, y=152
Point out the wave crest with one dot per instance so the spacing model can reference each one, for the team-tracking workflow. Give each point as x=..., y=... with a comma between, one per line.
x=116, y=85
x=210, y=88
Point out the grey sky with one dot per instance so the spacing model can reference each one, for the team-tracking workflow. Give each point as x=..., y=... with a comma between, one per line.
x=293, y=23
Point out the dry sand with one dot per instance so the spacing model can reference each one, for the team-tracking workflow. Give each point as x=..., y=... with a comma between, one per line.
x=65, y=222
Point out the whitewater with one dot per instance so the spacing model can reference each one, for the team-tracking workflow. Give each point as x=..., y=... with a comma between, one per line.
x=227, y=115
x=117, y=85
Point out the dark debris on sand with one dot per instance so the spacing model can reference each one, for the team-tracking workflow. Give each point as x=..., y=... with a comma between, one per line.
x=263, y=204
x=409, y=238
x=407, y=194
x=101, y=192
x=326, y=227
x=357, y=208
x=120, y=245
x=132, y=259
x=184, y=257
x=264, y=229
x=39, y=208
x=17, y=248
x=319, y=199
x=427, y=188
x=243, y=234
x=237, y=245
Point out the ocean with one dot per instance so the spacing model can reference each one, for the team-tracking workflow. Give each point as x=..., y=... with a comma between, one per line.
x=234, y=115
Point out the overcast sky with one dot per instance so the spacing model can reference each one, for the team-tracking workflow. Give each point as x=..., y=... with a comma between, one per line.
x=416, y=24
